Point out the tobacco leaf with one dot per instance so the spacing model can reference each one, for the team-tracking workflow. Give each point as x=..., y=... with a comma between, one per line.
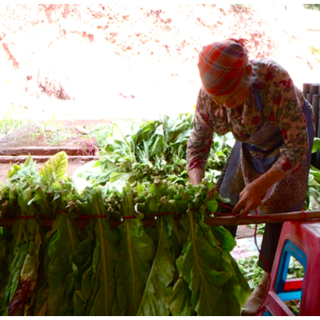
x=5, y=260
x=62, y=244
x=208, y=269
x=103, y=268
x=136, y=254
x=135, y=258
x=28, y=274
x=97, y=290
x=81, y=261
x=19, y=254
x=180, y=304
x=55, y=168
x=157, y=294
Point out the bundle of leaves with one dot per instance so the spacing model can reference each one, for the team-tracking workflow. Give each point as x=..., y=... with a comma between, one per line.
x=141, y=151
x=117, y=264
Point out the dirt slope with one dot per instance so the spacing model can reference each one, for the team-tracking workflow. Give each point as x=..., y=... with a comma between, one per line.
x=103, y=61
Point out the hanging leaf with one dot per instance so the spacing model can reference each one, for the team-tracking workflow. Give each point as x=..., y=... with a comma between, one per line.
x=55, y=168
x=62, y=244
x=180, y=304
x=81, y=261
x=157, y=294
x=103, y=262
x=206, y=273
x=119, y=180
x=136, y=252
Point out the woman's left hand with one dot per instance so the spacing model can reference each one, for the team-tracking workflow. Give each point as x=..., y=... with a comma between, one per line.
x=249, y=198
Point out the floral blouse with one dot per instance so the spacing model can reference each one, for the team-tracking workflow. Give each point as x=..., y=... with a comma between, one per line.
x=282, y=103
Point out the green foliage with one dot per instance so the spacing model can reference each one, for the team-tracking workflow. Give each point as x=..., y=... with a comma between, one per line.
x=209, y=272
x=253, y=273
x=312, y=6
x=312, y=201
x=8, y=124
x=60, y=247
x=260, y=227
x=316, y=145
x=140, y=151
x=131, y=269
x=158, y=292
x=136, y=252
x=55, y=168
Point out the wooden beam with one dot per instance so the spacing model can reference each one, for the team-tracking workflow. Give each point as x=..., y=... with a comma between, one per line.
x=215, y=221
x=265, y=218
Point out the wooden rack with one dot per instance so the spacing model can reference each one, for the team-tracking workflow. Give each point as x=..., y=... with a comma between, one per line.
x=298, y=216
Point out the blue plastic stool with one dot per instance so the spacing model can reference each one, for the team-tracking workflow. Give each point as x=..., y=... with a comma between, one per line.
x=301, y=241
x=289, y=250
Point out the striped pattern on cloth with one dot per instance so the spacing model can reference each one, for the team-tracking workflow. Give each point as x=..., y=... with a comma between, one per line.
x=221, y=66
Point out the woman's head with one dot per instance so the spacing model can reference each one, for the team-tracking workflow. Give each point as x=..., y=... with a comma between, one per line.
x=225, y=71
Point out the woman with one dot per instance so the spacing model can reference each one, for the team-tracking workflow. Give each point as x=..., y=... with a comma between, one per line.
x=274, y=128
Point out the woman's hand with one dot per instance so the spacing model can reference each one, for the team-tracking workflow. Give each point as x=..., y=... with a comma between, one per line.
x=249, y=198
x=196, y=175
x=252, y=195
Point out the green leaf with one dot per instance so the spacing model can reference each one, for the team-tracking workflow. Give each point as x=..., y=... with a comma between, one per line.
x=181, y=299
x=157, y=293
x=315, y=173
x=226, y=239
x=316, y=145
x=212, y=206
x=207, y=269
x=55, y=168
x=19, y=255
x=81, y=261
x=62, y=244
x=13, y=170
x=104, y=261
x=136, y=253
x=95, y=173
x=120, y=180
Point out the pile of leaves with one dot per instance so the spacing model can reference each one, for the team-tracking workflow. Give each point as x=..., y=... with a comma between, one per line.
x=133, y=242
x=141, y=151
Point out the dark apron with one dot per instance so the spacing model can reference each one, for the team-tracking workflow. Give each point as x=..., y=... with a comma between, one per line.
x=259, y=164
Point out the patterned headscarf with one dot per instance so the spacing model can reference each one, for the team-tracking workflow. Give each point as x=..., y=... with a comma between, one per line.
x=221, y=66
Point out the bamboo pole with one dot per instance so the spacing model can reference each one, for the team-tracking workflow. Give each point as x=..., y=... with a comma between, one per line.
x=215, y=221
x=298, y=216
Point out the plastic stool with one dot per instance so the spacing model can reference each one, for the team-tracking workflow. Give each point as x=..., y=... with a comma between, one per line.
x=302, y=241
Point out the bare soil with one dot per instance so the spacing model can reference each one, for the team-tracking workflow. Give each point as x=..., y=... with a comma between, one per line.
x=244, y=231
x=99, y=61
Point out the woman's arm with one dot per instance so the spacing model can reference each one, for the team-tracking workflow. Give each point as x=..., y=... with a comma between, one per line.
x=196, y=175
x=252, y=195
x=206, y=122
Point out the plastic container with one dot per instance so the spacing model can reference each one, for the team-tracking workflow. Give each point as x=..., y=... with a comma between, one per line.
x=302, y=241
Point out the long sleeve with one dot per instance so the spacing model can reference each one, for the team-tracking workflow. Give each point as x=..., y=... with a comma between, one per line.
x=205, y=124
